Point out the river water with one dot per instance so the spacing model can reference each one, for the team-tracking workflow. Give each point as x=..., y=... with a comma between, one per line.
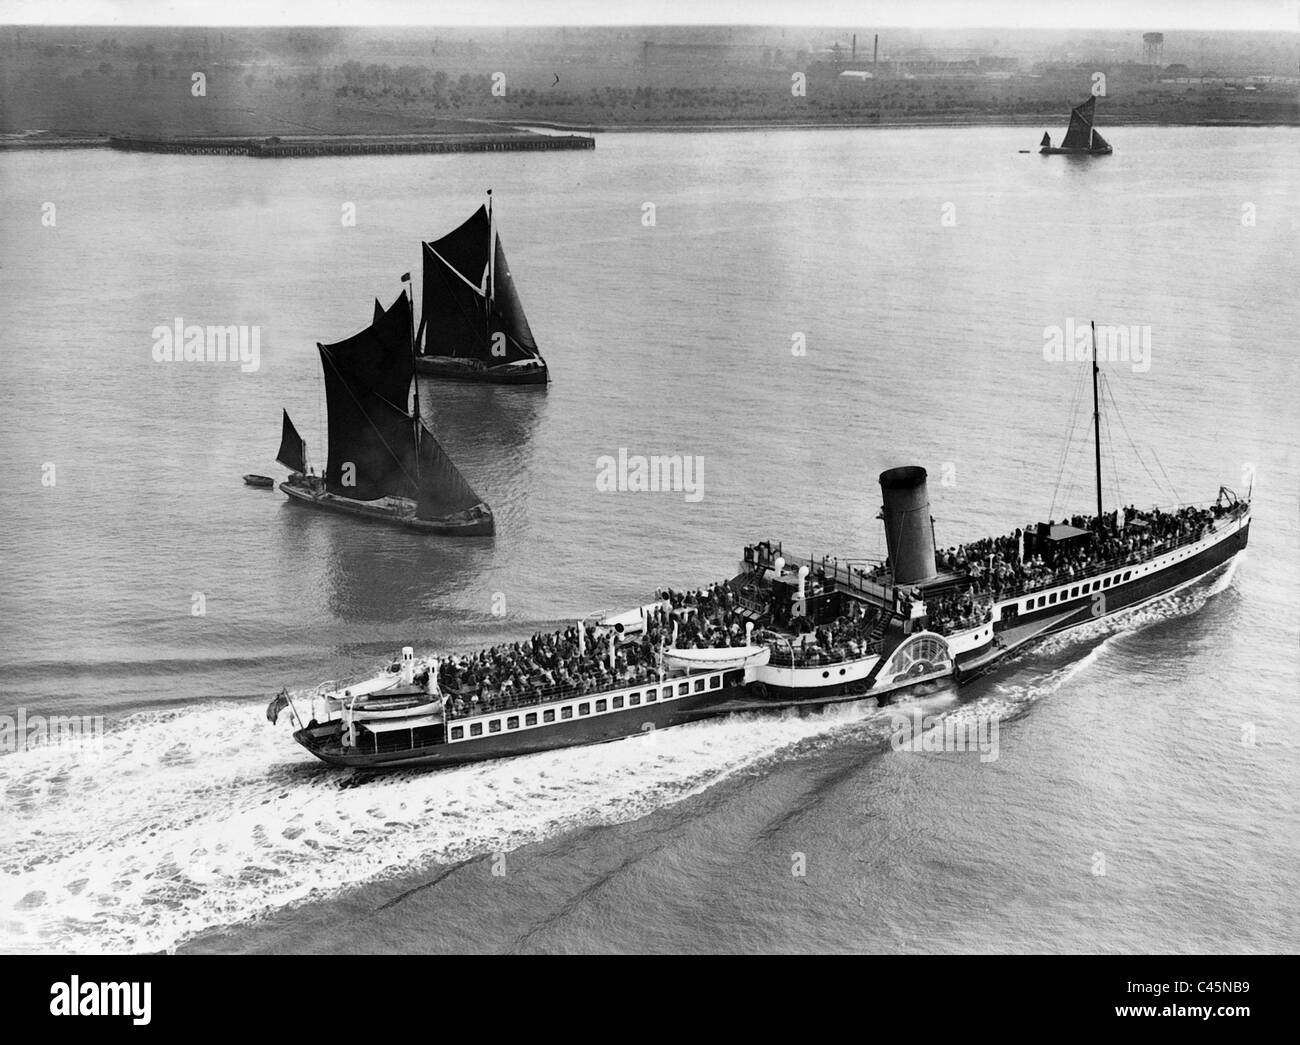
x=808, y=308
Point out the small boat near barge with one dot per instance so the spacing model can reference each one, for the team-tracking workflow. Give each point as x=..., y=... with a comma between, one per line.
x=264, y=482
x=1081, y=137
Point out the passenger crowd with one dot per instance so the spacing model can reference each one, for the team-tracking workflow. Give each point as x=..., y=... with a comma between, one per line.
x=847, y=637
x=997, y=566
x=560, y=663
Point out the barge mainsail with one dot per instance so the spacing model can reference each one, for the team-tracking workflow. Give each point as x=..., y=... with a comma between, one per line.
x=474, y=327
x=786, y=631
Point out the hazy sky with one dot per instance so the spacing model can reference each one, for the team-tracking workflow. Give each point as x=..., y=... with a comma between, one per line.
x=1161, y=15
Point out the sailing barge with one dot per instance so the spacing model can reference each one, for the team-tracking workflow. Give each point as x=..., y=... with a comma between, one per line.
x=1081, y=137
x=474, y=327
x=785, y=632
x=384, y=464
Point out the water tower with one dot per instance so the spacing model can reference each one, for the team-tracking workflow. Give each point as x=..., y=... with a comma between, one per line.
x=1153, y=51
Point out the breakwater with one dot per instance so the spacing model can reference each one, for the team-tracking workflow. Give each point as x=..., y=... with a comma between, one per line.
x=343, y=145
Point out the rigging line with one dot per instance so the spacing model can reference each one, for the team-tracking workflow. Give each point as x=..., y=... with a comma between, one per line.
x=1071, y=425
x=325, y=354
x=1155, y=456
x=1114, y=471
x=477, y=290
x=1138, y=453
x=1064, y=452
x=471, y=321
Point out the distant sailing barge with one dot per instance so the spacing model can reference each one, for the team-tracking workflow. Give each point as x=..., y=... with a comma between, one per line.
x=1081, y=137
x=474, y=327
x=384, y=464
x=786, y=632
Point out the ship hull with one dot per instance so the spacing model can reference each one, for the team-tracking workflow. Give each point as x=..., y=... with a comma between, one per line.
x=1018, y=626
x=482, y=527
x=956, y=659
x=575, y=732
x=450, y=368
x=1054, y=151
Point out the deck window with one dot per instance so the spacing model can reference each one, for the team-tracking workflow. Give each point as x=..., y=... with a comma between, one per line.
x=530, y=719
x=457, y=732
x=618, y=703
x=567, y=711
x=651, y=695
x=494, y=726
x=584, y=709
x=633, y=699
x=682, y=689
x=1029, y=605
x=548, y=716
x=1074, y=592
x=715, y=682
x=1042, y=600
x=476, y=729
x=1051, y=599
x=1128, y=574
x=600, y=706
x=699, y=685
x=512, y=722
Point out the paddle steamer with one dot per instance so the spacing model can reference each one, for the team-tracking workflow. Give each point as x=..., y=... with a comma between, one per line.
x=787, y=631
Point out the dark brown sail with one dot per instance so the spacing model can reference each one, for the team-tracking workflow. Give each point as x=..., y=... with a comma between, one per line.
x=508, y=316
x=443, y=490
x=367, y=385
x=471, y=312
x=1079, y=133
x=293, y=451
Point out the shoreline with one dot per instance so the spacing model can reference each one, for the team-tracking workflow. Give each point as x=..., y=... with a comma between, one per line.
x=511, y=135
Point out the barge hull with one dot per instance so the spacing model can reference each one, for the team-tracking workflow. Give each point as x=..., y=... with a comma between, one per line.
x=473, y=528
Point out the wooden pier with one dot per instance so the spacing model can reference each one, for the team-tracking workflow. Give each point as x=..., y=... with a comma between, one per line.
x=345, y=145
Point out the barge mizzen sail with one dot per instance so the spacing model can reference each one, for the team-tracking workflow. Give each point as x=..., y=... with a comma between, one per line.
x=293, y=448
x=474, y=326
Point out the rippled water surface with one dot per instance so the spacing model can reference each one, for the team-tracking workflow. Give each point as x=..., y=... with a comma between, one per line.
x=1120, y=747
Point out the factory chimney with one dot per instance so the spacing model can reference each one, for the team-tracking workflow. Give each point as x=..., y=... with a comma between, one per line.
x=875, y=52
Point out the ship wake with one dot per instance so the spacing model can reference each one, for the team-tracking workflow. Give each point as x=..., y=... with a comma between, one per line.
x=194, y=819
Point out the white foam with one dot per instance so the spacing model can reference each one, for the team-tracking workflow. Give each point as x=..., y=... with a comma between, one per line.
x=206, y=817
